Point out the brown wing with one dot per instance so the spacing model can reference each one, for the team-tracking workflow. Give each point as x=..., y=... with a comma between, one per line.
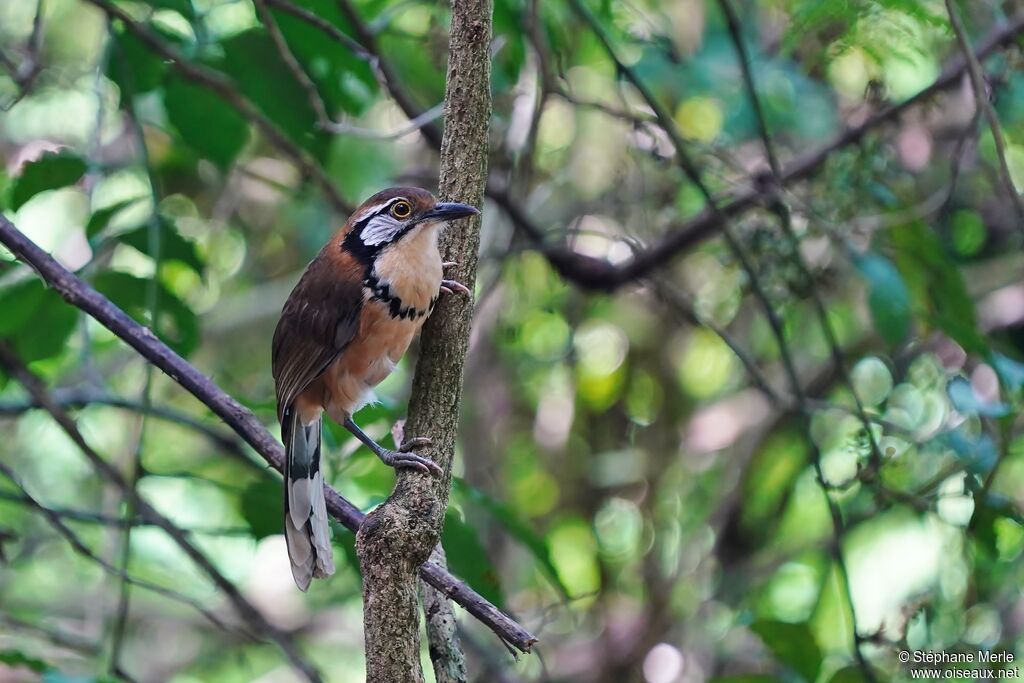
x=319, y=319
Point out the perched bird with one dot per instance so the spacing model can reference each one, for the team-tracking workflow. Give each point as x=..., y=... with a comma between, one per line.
x=343, y=329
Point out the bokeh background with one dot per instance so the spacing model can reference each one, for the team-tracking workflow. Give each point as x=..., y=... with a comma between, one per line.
x=639, y=481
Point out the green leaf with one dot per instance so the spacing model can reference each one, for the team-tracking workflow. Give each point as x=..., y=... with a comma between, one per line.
x=173, y=247
x=746, y=678
x=938, y=285
x=177, y=324
x=14, y=658
x=793, y=645
x=467, y=558
x=252, y=61
x=988, y=510
x=344, y=81
x=517, y=528
x=849, y=674
x=101, y=218
x=49, y=172
x=262, y=507
x=205, y=122
x=182, y=7
x=36, y=320
x=18, y=302
x=964, y=400
x=888, y=297
x=133, y=66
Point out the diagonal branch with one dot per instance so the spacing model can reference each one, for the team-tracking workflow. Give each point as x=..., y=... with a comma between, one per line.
x=601, y=275
x=235, y=415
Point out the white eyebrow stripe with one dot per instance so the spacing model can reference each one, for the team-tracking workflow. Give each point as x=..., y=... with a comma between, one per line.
x=379, y=230
x=376, y=208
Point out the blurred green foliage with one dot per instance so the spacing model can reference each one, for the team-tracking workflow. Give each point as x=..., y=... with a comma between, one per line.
x=623, y=488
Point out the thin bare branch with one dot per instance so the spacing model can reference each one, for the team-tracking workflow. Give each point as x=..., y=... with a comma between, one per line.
x=71, y=641
x=292, y=63
x=100, y=519
x=601, y=275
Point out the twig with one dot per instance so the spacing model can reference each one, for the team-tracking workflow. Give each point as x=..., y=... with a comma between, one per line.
x=977, y=78
x=155, y=247
x=386, y=73
x=13, y=366
x=415, y=124
x=236, y=416
x=676, y=301
x=25, y=74
x=292, y=63
x=327, y=27
x=70, y=641
x=443, y=642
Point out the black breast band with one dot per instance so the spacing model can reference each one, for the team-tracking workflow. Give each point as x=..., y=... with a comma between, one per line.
x=382, y=292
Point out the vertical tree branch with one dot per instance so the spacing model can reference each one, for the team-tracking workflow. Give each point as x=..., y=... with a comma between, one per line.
x=442, y=634
x=398, y=536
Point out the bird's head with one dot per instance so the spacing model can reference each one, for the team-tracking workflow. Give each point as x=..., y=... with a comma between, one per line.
x=395, y=214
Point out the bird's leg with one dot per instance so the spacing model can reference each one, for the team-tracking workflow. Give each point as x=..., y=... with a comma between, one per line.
x=450, y=286
x=403, y=457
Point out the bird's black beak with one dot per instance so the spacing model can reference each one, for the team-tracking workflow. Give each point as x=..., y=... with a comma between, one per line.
x=449, y=211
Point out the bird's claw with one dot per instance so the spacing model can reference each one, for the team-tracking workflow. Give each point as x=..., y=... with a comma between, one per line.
x=451, y=286
x=449, y=264
x=415, y=442
x=406, y=460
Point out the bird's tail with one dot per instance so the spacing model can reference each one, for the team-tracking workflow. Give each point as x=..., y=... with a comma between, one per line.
x=305, y=511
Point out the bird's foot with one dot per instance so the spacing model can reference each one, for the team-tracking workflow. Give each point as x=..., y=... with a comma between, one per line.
x=451, y=286
x=405, y=458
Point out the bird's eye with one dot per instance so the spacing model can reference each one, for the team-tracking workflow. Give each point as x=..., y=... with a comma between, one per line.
x=401, y=210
